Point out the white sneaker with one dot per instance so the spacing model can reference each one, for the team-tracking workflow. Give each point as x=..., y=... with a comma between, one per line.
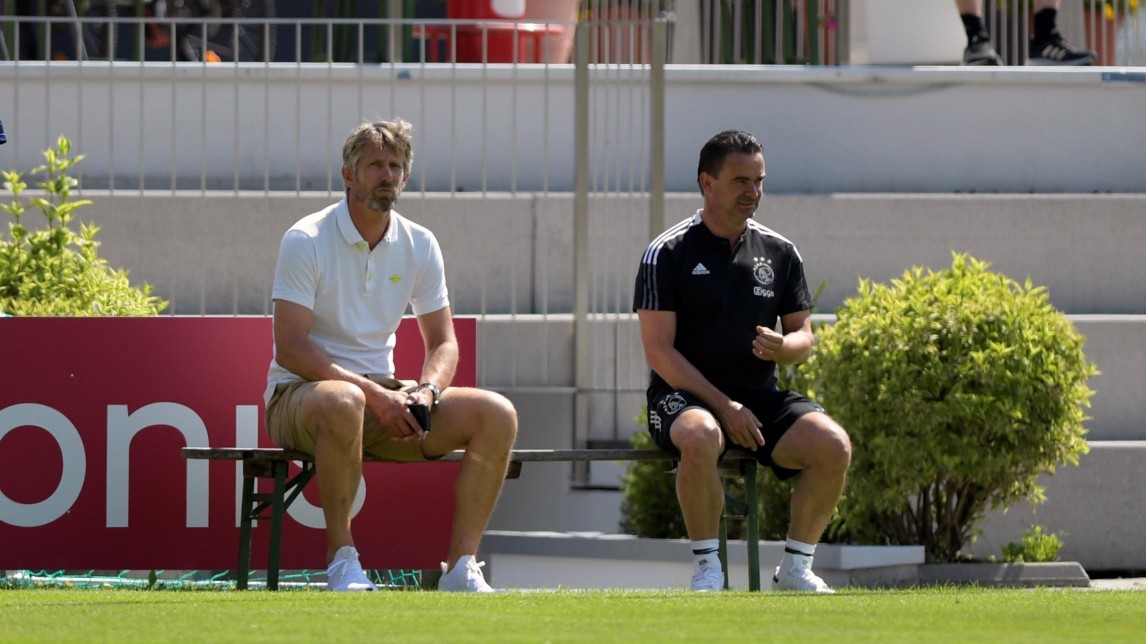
x=707, y=577
x=345, y=573
x=799, y=576
x=466, y=577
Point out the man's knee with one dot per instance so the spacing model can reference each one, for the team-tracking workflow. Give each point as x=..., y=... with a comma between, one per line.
x=697, y=438
x=479, y=414
x=336, y=407
x=501, y=416
x=815, y=441
x=833, y=446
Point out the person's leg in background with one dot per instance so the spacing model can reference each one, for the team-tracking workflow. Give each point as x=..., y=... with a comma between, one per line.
x=979, y=50
x=1047, y=46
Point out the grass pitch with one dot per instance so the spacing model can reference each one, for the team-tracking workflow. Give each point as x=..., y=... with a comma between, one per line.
x=920, y=615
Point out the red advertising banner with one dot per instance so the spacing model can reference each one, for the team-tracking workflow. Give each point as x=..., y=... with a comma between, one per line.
x=94, y=411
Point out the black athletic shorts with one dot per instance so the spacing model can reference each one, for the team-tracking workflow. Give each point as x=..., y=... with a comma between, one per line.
x=777, y=410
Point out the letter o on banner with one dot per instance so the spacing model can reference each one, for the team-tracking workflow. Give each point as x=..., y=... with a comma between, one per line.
x=311, y=515
x=30, y=515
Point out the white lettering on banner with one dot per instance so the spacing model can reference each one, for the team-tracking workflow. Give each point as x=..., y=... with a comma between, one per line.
x=246, y=435
x=31, y=515
x=310, y=515
x=122, y=427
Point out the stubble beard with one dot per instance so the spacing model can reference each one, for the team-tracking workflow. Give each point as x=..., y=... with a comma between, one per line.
x=380, y=204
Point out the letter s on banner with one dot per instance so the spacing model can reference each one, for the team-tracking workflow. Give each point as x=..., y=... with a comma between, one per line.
x=31, y=515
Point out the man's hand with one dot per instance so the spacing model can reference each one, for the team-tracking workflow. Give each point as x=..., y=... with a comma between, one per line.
x=742, y=426
x=767, y=344
x=392, y=413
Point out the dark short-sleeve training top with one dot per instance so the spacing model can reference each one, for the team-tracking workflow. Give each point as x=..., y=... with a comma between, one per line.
x=720, y=294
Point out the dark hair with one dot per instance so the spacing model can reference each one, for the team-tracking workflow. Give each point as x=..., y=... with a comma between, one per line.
x=720, y=146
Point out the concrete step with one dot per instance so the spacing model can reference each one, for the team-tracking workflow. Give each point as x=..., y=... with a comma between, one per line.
x=545, y=560
x=215, y=253
x=1095, y=509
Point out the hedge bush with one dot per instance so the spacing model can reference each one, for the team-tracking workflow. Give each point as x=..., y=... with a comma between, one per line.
x=958, y=388
x=55, y=270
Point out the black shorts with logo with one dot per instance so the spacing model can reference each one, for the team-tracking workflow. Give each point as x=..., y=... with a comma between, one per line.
x=777, y=410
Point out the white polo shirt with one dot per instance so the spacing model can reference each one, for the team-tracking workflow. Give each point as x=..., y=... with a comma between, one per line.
x=357, y=295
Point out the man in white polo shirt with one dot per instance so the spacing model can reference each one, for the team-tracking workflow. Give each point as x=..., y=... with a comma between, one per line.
x=344, y=278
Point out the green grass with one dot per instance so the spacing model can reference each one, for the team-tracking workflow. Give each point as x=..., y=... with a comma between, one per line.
x=950, y=614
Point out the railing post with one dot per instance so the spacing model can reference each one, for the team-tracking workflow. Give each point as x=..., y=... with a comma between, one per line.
x=581, y=233
x=657, y=222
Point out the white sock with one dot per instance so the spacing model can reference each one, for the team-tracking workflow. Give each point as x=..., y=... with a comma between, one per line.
x=796, y=552
x=706, y=549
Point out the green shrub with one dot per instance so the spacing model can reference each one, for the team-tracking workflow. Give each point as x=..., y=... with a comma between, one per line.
x=1036, y=546
x=55, y=270
x=958, y=388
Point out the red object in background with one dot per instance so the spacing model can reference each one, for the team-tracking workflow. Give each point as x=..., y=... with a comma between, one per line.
x=94, y=411
x=485, y=9
x=503, y=36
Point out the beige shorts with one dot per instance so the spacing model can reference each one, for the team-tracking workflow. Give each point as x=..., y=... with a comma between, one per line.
x=284, y=423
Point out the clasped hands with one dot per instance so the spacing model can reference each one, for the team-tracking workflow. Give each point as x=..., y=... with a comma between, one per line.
x=392, y=410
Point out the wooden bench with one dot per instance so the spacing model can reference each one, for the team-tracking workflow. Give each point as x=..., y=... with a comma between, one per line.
x=272, y=463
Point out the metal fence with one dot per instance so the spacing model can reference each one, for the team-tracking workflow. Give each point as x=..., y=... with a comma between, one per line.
x=729, y=31
x=815, y=32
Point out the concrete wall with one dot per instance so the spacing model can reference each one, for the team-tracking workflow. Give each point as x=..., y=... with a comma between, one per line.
x=215, y=253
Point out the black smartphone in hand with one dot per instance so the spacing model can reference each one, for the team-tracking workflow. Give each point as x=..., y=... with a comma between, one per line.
x=421, y=414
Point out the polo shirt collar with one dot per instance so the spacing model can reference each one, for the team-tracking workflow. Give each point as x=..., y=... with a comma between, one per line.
x=350, y=232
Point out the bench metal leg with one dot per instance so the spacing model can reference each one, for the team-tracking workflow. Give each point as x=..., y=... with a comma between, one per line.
x=723, y=552
x=748, y=469
x=255, y=504
x=278, y=507
x=246, y=518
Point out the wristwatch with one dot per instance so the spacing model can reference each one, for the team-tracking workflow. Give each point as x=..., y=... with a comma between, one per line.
x=437, y=393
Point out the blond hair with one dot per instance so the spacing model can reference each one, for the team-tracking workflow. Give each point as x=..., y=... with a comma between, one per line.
x=394, y=135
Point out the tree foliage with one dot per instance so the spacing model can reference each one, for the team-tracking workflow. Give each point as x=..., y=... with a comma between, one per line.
x=55, y=270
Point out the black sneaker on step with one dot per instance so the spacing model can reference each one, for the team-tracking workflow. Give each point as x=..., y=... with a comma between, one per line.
x=1056, y=50
x=980, y=52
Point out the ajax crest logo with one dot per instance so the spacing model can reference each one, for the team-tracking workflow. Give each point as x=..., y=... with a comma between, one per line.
x=762, y=271
x=673, y=404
